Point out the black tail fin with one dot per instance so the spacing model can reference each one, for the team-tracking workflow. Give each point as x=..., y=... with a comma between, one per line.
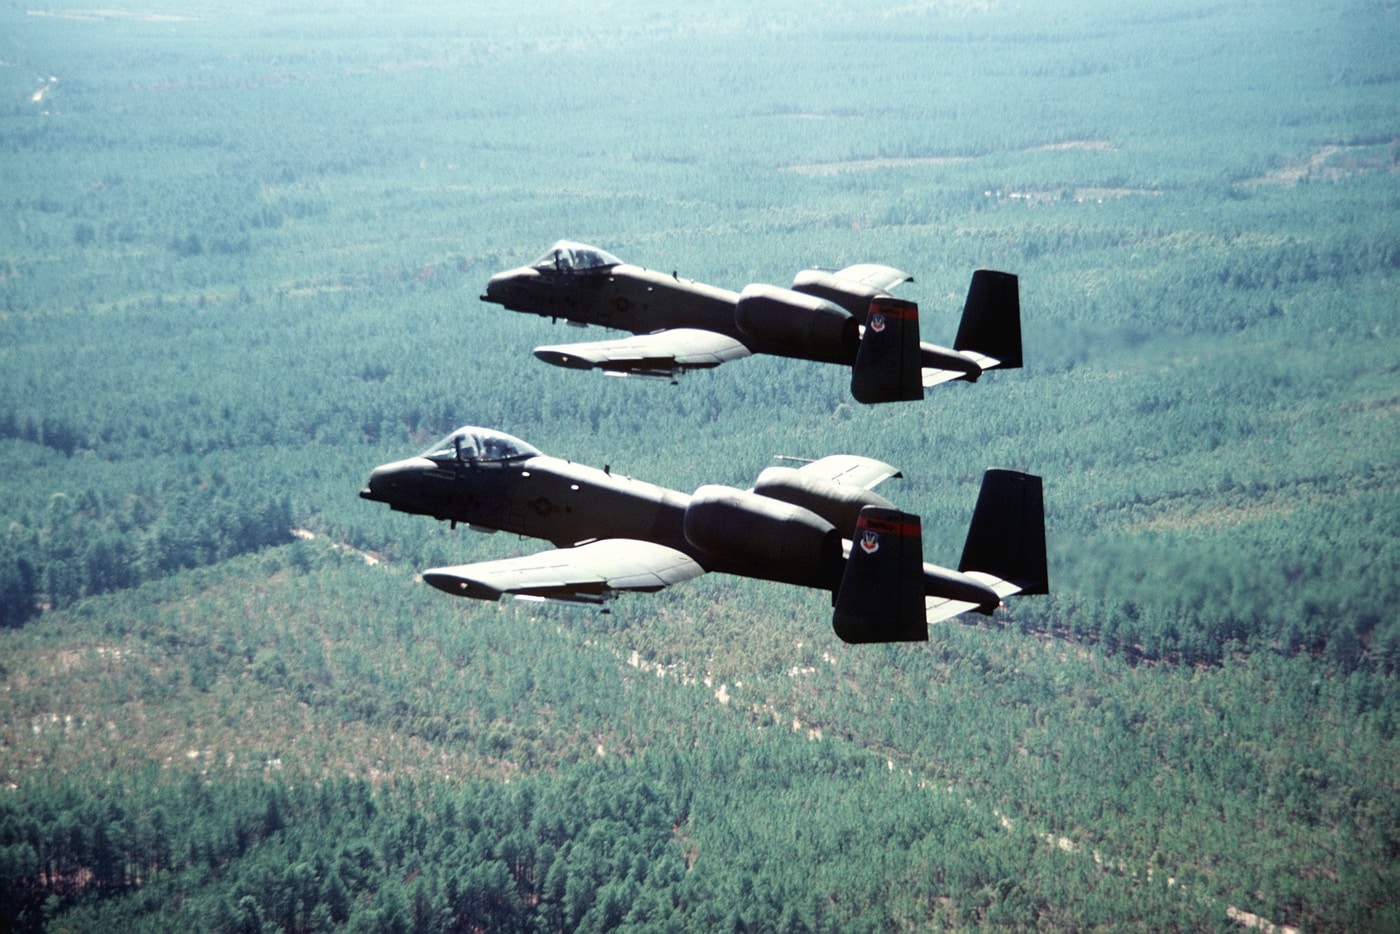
x=991, y=319
x=1007, y=536
x=887, y=367
x=882, y=591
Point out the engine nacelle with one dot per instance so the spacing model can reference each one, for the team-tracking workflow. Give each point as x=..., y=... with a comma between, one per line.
x=791, y=324
x=761, y=537
x=837, y=504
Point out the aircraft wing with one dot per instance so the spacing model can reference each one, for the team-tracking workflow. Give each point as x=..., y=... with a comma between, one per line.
x=874, y=275
x=589, y=573
x=850, y=470
x=937, y=609
x=664, y=353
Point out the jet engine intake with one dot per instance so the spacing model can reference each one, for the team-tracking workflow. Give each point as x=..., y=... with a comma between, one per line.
x=791, y=324
x=762, y=537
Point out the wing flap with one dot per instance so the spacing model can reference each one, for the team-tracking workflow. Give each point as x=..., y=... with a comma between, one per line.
x=663, y=353
x=589, y=573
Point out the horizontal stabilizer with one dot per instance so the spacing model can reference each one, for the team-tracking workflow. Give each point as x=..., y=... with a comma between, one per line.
x=939, y=364
x=983, y=594
x=991, y=319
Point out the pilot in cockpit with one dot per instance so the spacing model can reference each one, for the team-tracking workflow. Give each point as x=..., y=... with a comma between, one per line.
x=472, y=444
x=465, y=446
x=493, y=448
x=568, y=256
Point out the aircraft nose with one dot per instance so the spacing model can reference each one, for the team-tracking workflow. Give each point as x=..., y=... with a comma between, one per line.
x=497, y=287
x=503, y=287
x=387, y=481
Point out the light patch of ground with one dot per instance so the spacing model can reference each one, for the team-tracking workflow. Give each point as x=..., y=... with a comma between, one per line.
x=1082, y=145
x=1273, y=504
x=1247, y=919
x=1216, y=517
x=110, y=14
x=307, y=535
x=866, y=165
x=1333, y=162
x=1077, y=195
x=1086, y=195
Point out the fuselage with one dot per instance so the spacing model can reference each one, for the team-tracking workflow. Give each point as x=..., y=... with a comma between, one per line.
x=784, y=530
x=819, y=319
x=538, y=497
x=623, y=297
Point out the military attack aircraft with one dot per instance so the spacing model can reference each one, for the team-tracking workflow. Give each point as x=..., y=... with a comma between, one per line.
x=846, y=317
x=818, y=525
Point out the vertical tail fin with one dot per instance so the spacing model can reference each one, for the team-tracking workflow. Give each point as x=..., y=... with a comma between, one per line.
x=991, y=319
x=882, y=590
x=887, y=367
x=1007, y=535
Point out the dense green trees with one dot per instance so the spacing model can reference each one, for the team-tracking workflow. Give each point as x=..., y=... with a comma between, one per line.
x=95, y=541
x=239, y=264
x=601, y=846
x=988, y=776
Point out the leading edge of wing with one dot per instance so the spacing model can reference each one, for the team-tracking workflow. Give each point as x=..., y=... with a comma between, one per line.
x=650, y=354
x=589, y=573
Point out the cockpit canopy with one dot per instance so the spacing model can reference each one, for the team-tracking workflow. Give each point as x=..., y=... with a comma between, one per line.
x=568, y=256
x=480, y=444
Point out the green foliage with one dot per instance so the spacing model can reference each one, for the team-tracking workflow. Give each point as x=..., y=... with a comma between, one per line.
x=239, y=264
x=107, y=537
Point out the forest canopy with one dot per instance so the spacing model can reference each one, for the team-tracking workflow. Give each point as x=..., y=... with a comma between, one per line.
x=240, y=266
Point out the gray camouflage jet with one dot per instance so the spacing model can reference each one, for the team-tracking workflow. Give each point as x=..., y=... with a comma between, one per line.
x=819, y=525
x=846, y=317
